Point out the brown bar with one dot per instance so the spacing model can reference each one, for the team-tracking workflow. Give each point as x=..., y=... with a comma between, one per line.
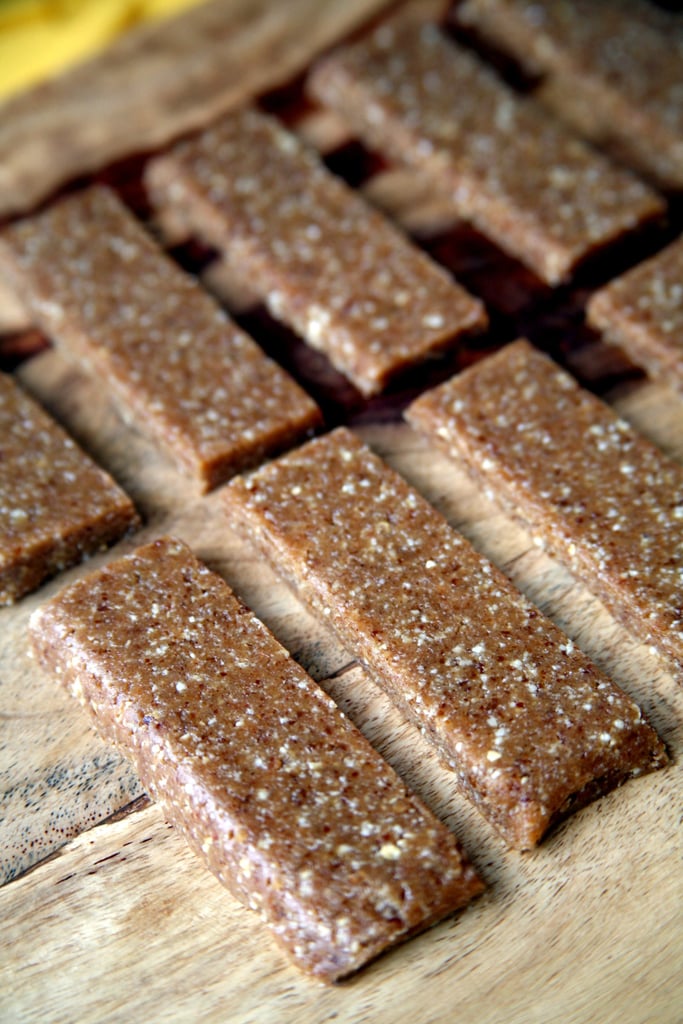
x=324, y=261
x=529, y=726
x=97, y=283
x=613, y=71
x=56, y=506
x=282, y=797
x=513, y=170
x=593, y=492
x=642, y=311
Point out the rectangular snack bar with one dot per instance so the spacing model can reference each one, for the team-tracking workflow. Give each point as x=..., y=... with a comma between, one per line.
x=642, y=311
x=528, y=724
x=97, y=283
x=324, y=261
x=56, y=506
x=275, y=789
x=613, y=71
x=590, y=489
x=509, y=167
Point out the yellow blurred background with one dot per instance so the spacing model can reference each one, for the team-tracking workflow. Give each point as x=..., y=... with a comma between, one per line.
x=38, y=38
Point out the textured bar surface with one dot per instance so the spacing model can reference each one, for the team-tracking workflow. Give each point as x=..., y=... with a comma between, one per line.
x=278, y=792
x=529, y=725
x=526, y=182
x=97, y=283
x=642, y=311
x=613, y=67
x=56, y=506
x=324, y=261
x=588, y=487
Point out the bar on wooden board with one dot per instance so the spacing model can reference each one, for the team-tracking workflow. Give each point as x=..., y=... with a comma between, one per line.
x=324, y=260
x=642, y=312
x=103, y=290
x=530, y=727
x=277, y=791
x=587, y=486
x=510, y=168
x=56, y=506
x=612, y=70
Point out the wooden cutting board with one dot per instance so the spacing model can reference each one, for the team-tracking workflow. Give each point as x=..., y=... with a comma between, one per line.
x=118, y=922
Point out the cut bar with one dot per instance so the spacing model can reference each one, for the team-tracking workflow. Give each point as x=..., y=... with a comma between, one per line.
x=510, y=168
x=528, y=724
x=56, y=506
x=642, y=311
x=282, y=797
x=323, y=260
x=100, y=287
x=613, y=70
x=590, y=489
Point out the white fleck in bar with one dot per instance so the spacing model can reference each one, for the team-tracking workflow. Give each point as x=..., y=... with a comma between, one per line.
x=325, y=262
x=513, y=170
x=483, y=674
x=595, y=493
x=100, y=287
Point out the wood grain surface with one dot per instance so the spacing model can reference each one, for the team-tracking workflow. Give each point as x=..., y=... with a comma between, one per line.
x=119, y=922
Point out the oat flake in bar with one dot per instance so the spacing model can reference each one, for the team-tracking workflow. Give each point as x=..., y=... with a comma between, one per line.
x=97, y=283
x=281, y=796
x=56, y=506
x=590, y=489
x=324, y=261
x=528, y=724
x=642, y=311
x=613, y=70
x=510, y=168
